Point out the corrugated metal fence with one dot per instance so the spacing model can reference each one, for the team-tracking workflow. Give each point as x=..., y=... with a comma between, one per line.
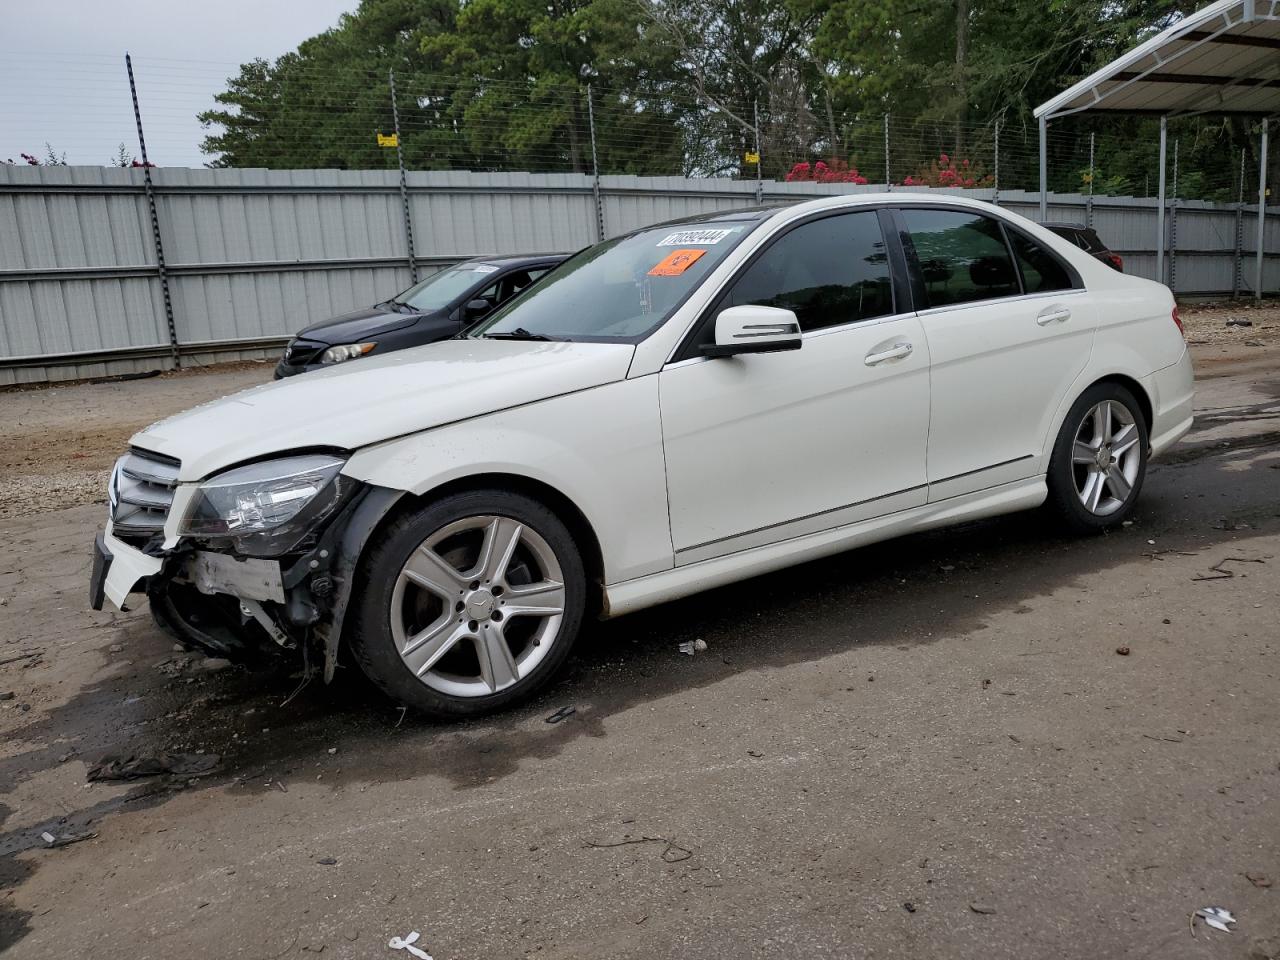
x=254, y=255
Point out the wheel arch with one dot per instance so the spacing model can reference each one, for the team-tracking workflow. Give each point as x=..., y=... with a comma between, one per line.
x=1087, y=381
x=1134, y=387
x=557, y=501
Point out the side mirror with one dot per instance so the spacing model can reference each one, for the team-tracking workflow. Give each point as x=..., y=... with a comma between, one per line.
x=475, y=309
x=753, y=329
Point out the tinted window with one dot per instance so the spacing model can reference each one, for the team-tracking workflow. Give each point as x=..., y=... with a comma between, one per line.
x=441, y=289
x=962, y=256
x=1041, y=270
x=828, y=272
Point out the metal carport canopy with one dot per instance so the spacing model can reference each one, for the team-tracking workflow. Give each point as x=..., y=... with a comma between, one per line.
x=1224, y=59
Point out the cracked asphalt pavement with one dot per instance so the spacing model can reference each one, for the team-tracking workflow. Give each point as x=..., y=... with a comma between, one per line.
x=929, y=747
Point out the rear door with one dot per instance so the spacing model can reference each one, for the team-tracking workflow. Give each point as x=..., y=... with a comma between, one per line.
x=1009, y=326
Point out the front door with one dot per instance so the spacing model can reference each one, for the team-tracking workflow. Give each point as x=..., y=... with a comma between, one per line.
x=766, y=447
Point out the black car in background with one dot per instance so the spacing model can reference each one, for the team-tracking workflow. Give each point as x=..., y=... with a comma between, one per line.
x=433, y=309
x=1087, y=240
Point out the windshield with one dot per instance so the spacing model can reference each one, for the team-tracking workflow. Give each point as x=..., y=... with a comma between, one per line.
x=619, y=290
x=441, y=289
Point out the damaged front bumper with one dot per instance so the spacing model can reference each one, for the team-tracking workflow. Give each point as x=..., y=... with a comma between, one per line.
x=247, y=609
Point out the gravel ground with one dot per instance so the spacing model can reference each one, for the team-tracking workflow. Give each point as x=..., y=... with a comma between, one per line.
x=57, y=443
x=1207, y=325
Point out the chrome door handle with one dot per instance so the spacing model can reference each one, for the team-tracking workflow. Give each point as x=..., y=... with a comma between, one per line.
x=1053, y=314
x=896, y=352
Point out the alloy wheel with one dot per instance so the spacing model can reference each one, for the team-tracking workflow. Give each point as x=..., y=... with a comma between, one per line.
x=477, y=605
x=1106, y=457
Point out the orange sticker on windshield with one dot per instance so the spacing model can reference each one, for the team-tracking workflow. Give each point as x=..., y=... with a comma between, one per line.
x=676, y=263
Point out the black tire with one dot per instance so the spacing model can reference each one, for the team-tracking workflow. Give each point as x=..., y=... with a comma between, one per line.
x=1064, y=500
x=372, y=643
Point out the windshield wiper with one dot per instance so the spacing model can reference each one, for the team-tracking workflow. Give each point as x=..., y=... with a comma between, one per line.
x=399, y=305
x=519, y=333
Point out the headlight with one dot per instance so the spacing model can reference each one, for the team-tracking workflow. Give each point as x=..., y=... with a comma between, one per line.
x=346, y=351
x=267, y=508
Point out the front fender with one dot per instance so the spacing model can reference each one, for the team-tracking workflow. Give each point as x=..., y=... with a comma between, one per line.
x=601, y=448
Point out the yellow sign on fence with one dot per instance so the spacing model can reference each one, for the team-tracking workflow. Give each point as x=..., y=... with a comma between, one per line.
x=389, y=141
x=752, y=158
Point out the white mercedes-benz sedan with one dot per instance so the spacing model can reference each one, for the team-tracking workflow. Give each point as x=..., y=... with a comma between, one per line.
x=670, y=410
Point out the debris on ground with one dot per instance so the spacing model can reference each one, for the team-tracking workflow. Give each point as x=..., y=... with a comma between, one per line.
x=1123, y=651
x=29, y=655
x=135, y=767
x=671, y=853
x=691, y=647
x=1238, y=322
x=7, y=695
x=1258, y=880
x=211, y=665
x=174, y=666
x=1217, y=917
x=327, y=861
x=407, y=943
x=982, y=908
x=67, y=838
x=1221, y=573
x=562, y=714
x=909, y=907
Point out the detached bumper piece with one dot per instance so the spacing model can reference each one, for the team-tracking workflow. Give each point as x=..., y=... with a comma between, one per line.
x=98, y=576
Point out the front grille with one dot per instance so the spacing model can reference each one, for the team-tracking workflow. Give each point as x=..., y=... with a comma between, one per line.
x=301, y=352
x=143, y=484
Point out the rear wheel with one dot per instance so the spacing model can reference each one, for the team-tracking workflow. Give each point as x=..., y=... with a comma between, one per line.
x=1099, y=461
x=470, y=604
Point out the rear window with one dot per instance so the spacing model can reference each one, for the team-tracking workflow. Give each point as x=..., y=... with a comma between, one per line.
x=1041, y=270
x=962, y=256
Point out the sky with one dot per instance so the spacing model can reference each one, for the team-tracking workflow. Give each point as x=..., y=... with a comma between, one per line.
x=63, y=80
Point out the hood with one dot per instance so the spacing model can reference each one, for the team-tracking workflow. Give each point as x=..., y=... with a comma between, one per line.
x=353, y=405
x=357, y=325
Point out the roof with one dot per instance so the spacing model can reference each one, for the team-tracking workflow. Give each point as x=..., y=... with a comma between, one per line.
x=519, y=260
x=1224, y=58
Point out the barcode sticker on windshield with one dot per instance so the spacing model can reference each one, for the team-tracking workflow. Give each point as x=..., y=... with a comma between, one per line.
x=685, y=238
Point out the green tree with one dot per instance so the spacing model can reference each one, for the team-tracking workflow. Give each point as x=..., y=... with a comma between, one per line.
x=323, y=105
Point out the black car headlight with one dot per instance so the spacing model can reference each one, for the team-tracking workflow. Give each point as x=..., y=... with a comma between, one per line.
x=269, y=508
x=346, y=351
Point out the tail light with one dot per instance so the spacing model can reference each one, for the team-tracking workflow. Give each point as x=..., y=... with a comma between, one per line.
x=1178, y=320
x=1116, y=261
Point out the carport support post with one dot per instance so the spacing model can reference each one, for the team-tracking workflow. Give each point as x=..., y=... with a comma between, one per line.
x=1164, y=123
x=404, y=184
x=155, y=219
x=1262, y=211
x=1044, y=171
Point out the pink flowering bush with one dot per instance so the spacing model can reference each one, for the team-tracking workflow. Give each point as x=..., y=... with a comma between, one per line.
x=837, y=171
x=949, y=171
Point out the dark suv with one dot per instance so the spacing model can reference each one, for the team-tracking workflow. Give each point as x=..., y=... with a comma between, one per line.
x=1087, y=240
x=433, y=309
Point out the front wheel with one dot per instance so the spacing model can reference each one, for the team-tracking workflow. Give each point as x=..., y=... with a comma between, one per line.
x=1099, y=460
x=470, y=604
